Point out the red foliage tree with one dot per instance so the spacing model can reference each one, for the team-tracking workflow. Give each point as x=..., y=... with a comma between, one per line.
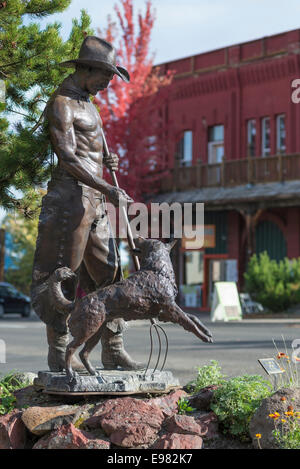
x=132, y=113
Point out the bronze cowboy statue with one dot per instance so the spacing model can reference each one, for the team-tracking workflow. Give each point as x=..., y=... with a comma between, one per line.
x=74, y=229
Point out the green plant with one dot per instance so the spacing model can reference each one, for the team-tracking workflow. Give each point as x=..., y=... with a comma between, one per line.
x=207, y=375
x=289, y=377
x=236, y=401
x=9, y=384
x=276, y=285
x=287, y=431
x=184, y=406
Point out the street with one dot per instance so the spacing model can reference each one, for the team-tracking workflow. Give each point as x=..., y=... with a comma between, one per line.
x=237, y=345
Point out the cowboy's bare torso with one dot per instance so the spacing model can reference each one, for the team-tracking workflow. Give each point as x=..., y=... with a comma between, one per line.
x=87, y=129
x=75, y=129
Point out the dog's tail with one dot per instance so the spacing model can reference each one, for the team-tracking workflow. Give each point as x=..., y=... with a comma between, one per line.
x=60, y=301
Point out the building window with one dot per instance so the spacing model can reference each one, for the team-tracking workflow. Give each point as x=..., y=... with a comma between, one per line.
x=265, y=136
x=280, y=134
x=193, y=267
x=193, y=278
x=215, y=144
x=251, y=137
x=185, y=149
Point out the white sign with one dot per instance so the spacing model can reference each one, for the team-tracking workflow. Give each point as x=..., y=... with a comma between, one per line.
x=226, y=304
x=2, y=351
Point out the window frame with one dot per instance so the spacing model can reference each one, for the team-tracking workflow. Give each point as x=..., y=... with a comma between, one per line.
x=249, y=133
x=279, y=149
x=263, y=136
x=186, y=162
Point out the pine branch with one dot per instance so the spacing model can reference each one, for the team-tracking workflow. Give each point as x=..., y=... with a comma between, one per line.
x=18, y=112
x=23, y=60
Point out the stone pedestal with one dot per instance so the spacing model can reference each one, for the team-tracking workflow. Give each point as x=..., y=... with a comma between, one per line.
x=107, y=382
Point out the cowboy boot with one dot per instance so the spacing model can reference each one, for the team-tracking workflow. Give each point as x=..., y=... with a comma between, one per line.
x=58, y=342
x=113, y=352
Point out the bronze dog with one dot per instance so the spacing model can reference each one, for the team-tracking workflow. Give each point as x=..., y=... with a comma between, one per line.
x=147, y=293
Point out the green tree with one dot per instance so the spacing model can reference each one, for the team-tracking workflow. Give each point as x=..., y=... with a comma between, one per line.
x=23, y=232
x=29, y=66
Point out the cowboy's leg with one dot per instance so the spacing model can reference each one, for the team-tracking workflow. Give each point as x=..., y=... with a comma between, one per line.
x=102, y=264
x=64, y=225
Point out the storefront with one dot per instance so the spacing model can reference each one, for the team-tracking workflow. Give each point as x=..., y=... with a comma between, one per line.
x=223, y=257
x=200, y=267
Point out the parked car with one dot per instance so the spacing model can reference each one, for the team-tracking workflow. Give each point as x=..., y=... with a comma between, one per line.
x=13, y=301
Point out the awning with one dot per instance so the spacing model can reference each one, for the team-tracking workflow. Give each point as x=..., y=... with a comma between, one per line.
x=274, y=193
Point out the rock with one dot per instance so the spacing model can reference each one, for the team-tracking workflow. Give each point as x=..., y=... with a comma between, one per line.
x=108, y=381
x=12, y=431
x=24, y=379
x=70, y=437
x=209, y=425
x=41, y=420
x=169, y=402
x=263, y=424
x=203, y=398
x=226, y=442
x=29, y=397
x=182, y=424
x=129, y=422
x=178, y=441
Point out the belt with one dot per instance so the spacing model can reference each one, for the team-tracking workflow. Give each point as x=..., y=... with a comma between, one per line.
x=61, y=174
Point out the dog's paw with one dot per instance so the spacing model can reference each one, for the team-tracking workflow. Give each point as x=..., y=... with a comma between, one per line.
x=71, y=376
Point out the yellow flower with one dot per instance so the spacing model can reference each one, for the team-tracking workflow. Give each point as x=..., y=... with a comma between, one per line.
x=283, y=420
x=289, y=413
x=275, y=415
x=258, y=436
x=282, y=355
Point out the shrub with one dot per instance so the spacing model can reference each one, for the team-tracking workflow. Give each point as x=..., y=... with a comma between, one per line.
x=276, y=285
x=9, y=384
x=236, y=401
x=207, y=375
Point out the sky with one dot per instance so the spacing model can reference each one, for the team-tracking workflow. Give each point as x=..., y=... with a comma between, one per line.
x=188, y=27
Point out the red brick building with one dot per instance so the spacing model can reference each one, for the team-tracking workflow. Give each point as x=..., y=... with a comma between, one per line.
x=234, y=144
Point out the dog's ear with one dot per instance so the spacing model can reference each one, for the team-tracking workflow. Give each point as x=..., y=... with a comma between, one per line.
x=171, y=244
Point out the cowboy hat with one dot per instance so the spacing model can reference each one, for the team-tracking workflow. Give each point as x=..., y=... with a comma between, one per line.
x=98, y=53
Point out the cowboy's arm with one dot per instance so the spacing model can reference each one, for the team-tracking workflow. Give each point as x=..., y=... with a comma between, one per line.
x=62, y=135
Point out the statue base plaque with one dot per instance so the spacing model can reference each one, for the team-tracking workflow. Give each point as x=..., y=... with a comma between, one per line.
x=107, y=382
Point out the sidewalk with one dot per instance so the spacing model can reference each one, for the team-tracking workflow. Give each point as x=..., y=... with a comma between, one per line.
x=256, y=320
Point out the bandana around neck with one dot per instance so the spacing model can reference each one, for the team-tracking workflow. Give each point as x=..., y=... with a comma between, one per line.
x=72, y=90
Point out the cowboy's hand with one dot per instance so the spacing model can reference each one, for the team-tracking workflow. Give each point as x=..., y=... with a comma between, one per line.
x=118, y=196
x=111, y=161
